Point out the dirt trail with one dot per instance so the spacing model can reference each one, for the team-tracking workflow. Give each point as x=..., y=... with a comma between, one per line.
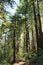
x=20, y=63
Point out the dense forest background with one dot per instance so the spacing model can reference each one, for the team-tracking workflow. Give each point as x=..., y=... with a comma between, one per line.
x=21, y=33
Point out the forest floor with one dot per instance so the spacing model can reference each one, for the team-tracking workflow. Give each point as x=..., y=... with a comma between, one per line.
x=22, y=63
x=36, y=61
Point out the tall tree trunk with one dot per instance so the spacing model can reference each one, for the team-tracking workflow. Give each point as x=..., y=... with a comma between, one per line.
x=40, y=28
x=27, y=39
x=35, y=23
x=33, y=47
x=39, y=18
x=14, y=46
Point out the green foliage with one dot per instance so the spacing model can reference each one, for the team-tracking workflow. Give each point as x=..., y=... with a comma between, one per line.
x=31, y=56
x=35, y=58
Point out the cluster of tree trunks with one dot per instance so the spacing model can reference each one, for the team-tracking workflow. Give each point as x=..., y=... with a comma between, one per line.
x=38, y=30
x=39, y=34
